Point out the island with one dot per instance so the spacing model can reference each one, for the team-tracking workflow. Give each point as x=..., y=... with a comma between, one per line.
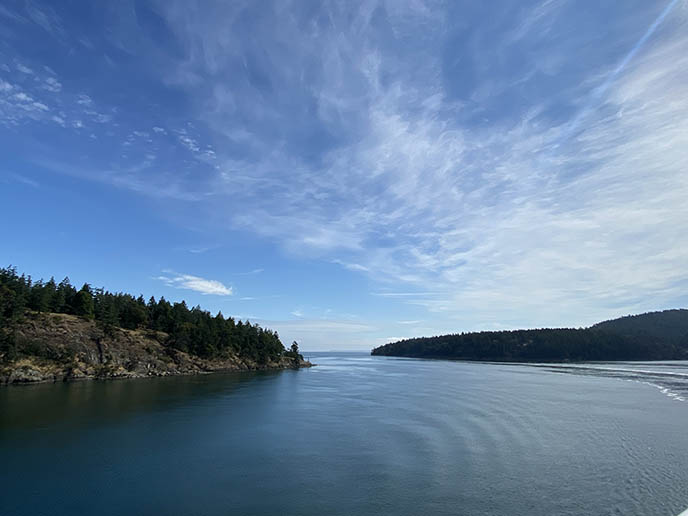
x=53, y=332
x=661, y=335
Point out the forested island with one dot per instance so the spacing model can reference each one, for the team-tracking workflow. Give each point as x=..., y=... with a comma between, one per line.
x=51, y=331
x=650, y=336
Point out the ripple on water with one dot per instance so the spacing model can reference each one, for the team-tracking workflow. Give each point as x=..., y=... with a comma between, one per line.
x=356, y=435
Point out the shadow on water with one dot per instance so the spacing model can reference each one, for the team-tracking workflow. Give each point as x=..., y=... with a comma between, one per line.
x=76, y=404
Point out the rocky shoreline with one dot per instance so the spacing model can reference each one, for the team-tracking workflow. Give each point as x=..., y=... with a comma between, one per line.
x=61, y=347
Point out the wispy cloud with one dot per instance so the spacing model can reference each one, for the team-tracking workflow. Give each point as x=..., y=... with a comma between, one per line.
x=84, y=100
x=24, y=69
x=52, y=84
x=251, y=272
x=461, y=159
x=19, y=178
x=195, y=283
x=403, y=294
x=504, y=218
x=46, y=17
x=357, y=267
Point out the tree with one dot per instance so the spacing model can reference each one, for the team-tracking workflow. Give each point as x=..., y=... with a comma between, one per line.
x=64, y=297
x=83, y=302
x=294, y=354
x=40, y=296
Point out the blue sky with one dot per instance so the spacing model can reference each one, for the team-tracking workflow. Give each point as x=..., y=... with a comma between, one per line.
x=351, y=173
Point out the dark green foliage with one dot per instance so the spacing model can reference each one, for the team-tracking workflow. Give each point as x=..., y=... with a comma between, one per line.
x=670, y=325
x=192, y=330
x=83, y=302
x=64, y=297
x=293, y=353
x=655, y=336
x=41, y=296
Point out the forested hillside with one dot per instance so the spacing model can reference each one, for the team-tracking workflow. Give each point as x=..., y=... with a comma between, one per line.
x=653, y=336
x=191, y=330
x=671, y=325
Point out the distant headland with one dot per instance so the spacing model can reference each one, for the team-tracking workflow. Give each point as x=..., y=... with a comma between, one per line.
x=651, y=336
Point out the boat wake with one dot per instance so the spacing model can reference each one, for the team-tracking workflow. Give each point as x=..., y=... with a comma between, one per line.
x=665, y=390
x=670, y=378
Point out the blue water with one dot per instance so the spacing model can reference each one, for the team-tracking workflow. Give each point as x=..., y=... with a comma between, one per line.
x=357, y=435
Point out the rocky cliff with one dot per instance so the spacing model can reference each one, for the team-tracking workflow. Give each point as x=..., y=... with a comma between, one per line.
x=61, y=347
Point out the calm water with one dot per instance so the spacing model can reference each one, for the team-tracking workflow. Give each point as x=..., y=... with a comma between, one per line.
x=357, y=435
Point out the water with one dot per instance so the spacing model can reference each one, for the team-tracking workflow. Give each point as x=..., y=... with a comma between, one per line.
x=357, y=435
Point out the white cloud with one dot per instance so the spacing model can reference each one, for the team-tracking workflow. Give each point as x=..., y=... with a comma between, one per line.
x=189, y=143
x=251, y=272
x=352, y=266
x=403, y=294
x=46, y=17
x=84, y=100
x=101, y=118
x=196, y=283
x=22, y=97
x=24, y=69
x=52, y=84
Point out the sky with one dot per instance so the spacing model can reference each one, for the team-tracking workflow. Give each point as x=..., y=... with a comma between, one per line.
x=352, y=173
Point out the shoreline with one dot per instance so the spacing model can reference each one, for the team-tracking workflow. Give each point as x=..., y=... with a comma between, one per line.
x=531, y=362
x=27, y=372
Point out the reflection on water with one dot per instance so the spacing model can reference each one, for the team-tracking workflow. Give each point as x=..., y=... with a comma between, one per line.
x=355, y=435
x=106, y=402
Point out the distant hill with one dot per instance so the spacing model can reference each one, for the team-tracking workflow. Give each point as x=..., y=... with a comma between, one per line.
x=668, y=324
x=651, y=336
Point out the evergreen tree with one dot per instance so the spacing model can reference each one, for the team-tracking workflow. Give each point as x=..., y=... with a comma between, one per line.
x=83, y=302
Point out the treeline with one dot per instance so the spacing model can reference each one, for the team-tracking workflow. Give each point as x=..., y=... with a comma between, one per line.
x=192, y=330
x=546, y=345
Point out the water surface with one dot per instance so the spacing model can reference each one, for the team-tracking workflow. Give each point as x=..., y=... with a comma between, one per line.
x=357, y=435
